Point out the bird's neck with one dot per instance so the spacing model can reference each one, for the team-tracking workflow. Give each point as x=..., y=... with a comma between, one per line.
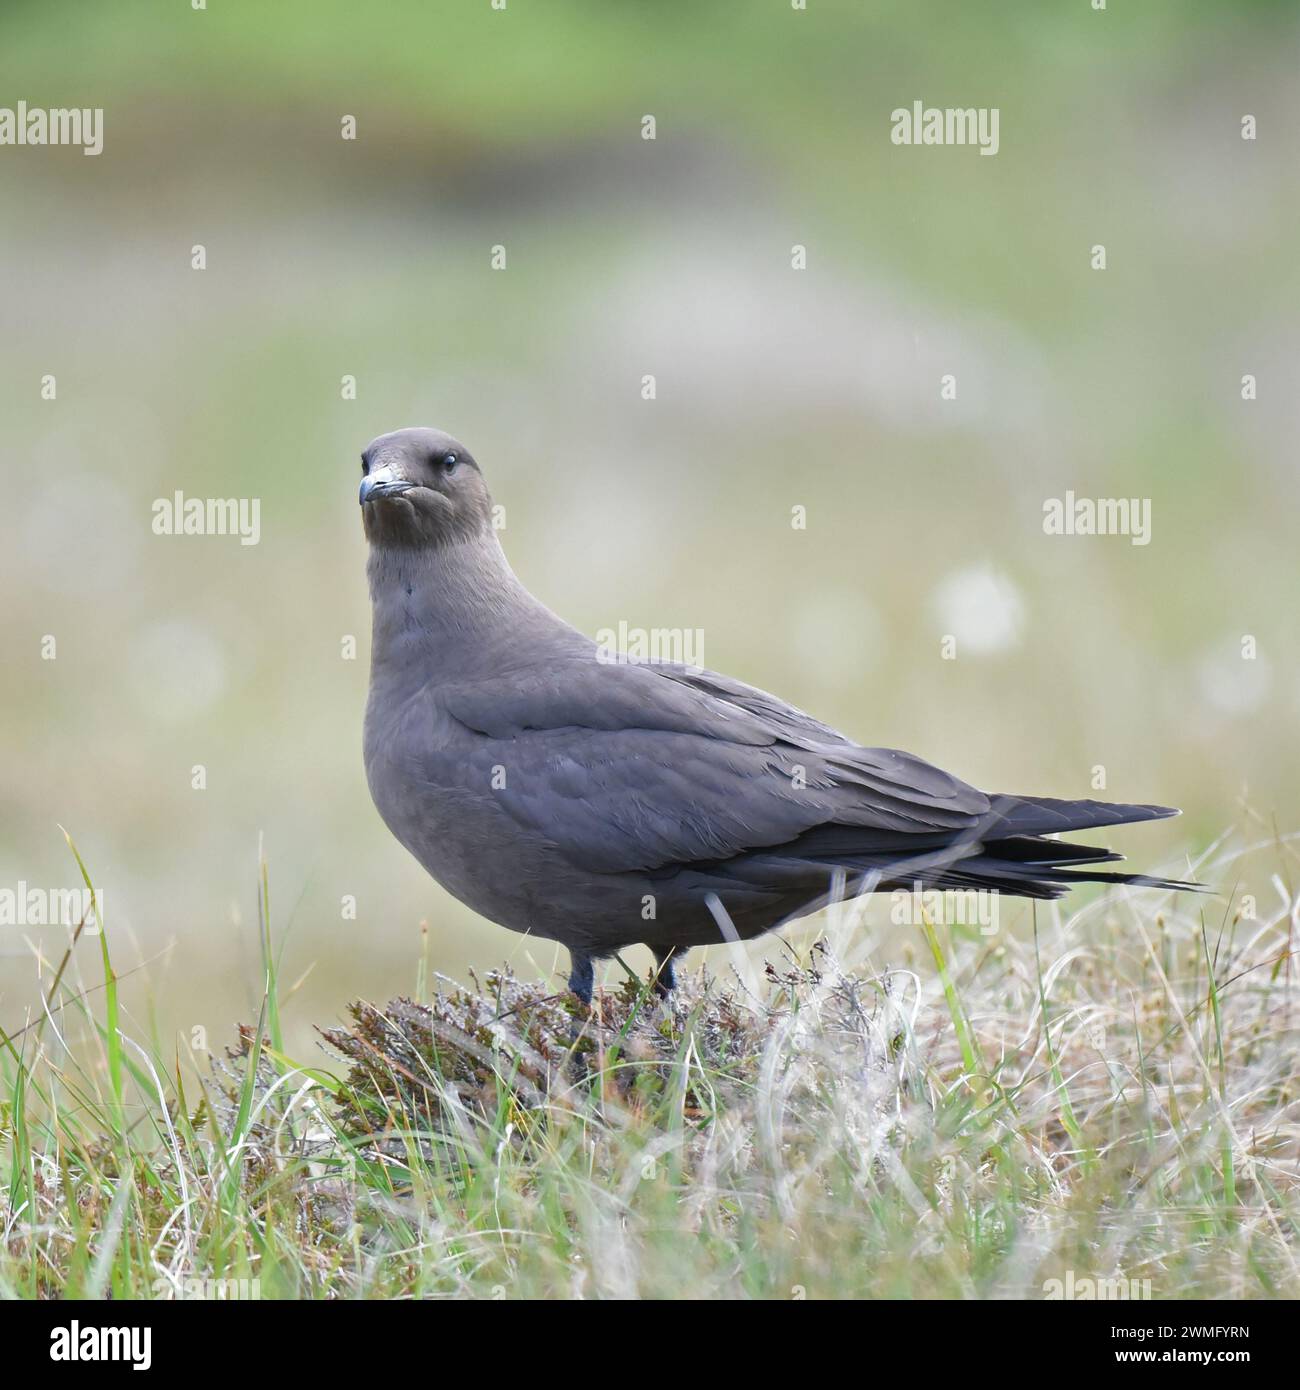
x=455, y=609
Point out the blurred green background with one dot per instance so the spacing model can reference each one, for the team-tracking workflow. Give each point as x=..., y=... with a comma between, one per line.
x=776, y=388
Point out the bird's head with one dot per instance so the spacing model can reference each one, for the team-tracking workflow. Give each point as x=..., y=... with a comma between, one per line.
x=420, y=487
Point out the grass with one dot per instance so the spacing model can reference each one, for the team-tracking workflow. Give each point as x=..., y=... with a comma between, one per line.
x=1109, y=1095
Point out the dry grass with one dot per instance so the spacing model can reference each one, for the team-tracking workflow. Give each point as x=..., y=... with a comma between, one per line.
x=1111, y=1095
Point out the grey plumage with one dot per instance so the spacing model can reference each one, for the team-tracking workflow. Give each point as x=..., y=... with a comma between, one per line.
x=600, y=803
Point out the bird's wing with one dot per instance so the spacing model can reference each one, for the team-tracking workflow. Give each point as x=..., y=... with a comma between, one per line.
x=632, y=767
x=792, y=724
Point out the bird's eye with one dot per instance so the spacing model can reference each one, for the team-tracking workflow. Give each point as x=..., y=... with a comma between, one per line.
x=449, y=462
x=365, y=465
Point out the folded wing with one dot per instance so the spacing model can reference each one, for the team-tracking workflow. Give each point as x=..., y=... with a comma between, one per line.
x=636, y=767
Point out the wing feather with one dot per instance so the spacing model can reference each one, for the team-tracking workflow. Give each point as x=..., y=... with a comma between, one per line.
x=638, y=767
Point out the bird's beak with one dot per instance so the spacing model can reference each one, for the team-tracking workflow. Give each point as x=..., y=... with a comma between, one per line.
x=382, y=482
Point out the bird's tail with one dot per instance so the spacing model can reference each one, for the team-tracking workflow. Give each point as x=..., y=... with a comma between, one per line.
x=1010, y=850
x=1045, y=815
x=1018, y=857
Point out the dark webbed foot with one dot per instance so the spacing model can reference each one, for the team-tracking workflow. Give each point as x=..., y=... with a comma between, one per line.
x=582, y=976
x=665, y=980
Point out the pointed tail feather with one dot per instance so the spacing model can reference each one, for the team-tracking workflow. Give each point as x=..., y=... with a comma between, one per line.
x=1051, y=881
x=1045, y=815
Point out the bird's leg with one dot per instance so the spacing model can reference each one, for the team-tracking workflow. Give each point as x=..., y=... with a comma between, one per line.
x=582, y=975
x=665, y=980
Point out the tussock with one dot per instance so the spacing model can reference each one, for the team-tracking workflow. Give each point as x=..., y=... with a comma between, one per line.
x=1108, y=1097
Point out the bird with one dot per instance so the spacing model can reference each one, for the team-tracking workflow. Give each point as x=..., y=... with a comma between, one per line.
x=601, y=802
